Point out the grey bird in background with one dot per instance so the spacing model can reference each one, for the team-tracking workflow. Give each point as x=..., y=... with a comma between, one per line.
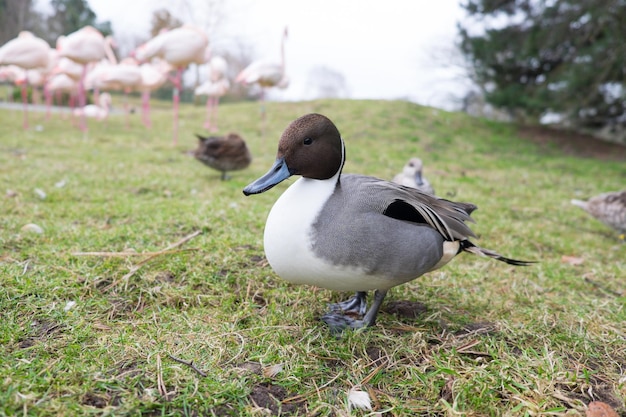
x=609, y=208
x=412, y=176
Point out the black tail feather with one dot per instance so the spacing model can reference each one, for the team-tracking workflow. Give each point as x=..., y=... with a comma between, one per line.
x=468, y=246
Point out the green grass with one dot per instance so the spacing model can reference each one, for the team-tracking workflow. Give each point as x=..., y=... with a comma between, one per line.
x=477, y=337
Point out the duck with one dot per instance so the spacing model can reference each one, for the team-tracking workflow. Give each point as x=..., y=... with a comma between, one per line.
x=352, y=232
x=609, y=208
x=412, y=176
x=223, y=153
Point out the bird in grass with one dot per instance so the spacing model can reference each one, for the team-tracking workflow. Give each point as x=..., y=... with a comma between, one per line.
x=609, y=208
x=223, y=153
x=412, y=176
x=348, y=232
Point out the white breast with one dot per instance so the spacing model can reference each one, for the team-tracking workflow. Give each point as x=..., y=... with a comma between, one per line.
x=288, y=244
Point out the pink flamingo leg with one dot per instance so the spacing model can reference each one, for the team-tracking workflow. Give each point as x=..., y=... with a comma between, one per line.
x=176, y=93
x=72, y=103
x=25, y=103
x=126, y=109
x=82, y=99
x=209, y=110
x=216, y=102
x=48, y=95
x=145, y=108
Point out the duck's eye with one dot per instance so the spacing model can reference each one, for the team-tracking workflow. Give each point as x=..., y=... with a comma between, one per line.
x=307, y=141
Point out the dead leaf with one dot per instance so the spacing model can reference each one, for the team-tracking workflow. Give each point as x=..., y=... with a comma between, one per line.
x=600, y=409
x=572, y=260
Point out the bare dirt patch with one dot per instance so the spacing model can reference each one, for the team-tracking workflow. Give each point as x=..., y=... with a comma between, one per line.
x=405, y=309
x=270, y=397
x=40, y=331
x=573, y=143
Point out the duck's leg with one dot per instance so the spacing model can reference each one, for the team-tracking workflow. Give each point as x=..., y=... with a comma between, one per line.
x=370, y=316
x=338, y=320
x=355, y=305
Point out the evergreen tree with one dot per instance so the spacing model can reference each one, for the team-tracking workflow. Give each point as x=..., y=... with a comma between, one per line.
x=71, y=15
x=567, y=56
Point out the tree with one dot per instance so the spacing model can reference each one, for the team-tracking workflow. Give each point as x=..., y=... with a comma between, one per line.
x=71, y=15
x=15, y=16
x=565, y=56
x=162, y=19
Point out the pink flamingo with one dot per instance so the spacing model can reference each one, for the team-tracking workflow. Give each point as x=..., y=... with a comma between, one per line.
x=125, y=76
x=215, y=87
x=27, y=52
x=179, y=47
x=266, y=74
x=85, y=46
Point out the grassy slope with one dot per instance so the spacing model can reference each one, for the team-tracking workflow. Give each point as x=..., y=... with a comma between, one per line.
x=488, y=338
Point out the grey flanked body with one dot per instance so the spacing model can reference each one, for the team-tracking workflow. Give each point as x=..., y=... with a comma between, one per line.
x=412, y=176
x=609, y=208
x=223, y=153
x=377, y=247
x=349, y=232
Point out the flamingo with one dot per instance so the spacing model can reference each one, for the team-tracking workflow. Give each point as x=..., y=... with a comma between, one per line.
x=266, y=74
x=215, y=87
x=179, y=47
x=27, y=52
x=125, y=76
x=85, y=46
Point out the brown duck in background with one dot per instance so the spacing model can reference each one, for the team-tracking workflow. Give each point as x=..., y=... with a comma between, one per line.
x=223, y=153
x=609, y=208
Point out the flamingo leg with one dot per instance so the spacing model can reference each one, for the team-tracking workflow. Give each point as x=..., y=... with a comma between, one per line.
x=145, y=108
x=263, y=113
x=126, y=109
x=72, y=102
x=216, y=102
x=25, y=104
x=48, y=96
x=209, y=105
x=82, y=99
x=176, y=94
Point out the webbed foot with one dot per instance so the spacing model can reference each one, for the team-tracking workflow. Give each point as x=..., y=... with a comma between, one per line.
x=338, y=322
x=357, y=305
x=352, y=313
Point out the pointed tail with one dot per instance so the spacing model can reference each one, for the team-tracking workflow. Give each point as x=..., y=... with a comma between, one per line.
x=468, y=246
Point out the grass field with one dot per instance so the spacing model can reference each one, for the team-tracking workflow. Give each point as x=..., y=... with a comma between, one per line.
x=147, y=292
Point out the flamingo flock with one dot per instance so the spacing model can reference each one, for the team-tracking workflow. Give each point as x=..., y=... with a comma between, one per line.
x=84, y=61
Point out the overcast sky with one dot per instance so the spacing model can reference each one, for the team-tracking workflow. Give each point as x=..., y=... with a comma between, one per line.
x=385, y=49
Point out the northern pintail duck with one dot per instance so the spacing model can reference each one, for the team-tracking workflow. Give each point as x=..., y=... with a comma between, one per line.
x=223, y=153
x=348, y=232
x=609, y=208
x=412, y=176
